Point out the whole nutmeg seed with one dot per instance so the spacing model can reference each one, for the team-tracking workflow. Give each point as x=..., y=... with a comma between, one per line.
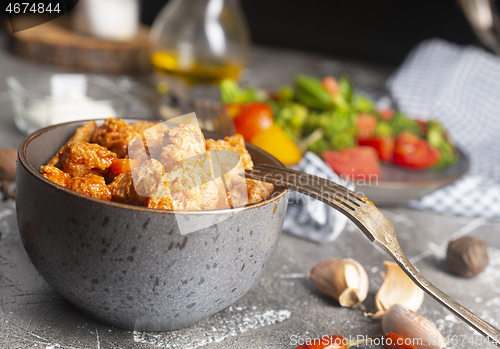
x=467, y=256
x=8, y=157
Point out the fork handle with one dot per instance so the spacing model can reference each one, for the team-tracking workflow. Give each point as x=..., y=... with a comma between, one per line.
x=390, y=245
x=480, y=325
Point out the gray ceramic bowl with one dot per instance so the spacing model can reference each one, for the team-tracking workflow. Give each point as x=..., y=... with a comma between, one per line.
x=129, y=266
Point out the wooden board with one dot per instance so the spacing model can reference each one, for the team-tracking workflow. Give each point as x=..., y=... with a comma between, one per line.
x=55, y=42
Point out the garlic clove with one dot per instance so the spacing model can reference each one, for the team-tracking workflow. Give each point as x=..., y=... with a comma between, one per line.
x=328, y=277
x=397, y=288
x=409, y=324
x=357, y=284
x=345, y=280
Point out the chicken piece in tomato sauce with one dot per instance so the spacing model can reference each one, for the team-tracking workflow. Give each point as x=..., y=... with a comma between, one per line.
x=191, y=184
x=56, y=175
x=91, y=185
x=172, y=169
x=80, y=158
x=82, y=134
x=115, y=135
x=235, y=143
x=241, y=191
x=180, y=143
x=149, y=178
x=149, y=143
x=123, y=190
x=238, y=143
x=257, y=190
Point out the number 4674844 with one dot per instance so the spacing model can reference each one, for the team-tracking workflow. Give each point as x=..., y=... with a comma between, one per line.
x=27, y=7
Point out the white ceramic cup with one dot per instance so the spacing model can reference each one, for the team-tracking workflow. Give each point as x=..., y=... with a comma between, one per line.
x=107, y=19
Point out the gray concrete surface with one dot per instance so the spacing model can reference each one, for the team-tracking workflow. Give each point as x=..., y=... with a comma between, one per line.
x=282, y=308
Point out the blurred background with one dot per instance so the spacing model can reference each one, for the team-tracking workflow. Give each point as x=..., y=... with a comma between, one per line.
x=379, y=31
x=382, y=31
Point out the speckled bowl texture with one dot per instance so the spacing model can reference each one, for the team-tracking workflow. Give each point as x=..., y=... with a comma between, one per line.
x=129, y=266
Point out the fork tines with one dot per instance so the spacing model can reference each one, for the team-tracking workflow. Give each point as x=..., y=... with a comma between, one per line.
x=320, y=188
x=214, y=117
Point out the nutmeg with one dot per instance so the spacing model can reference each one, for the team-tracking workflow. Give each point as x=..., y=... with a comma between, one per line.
x=467, y=256
x=8, y=157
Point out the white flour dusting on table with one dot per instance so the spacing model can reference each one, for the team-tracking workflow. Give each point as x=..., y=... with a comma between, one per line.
x=228, y=323
x=491, y=275
x=6, y=227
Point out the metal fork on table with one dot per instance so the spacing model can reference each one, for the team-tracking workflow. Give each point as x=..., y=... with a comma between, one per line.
x=377, y=228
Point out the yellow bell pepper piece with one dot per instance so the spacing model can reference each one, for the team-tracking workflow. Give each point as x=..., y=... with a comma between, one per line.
x=233, y=109
x=275, y=141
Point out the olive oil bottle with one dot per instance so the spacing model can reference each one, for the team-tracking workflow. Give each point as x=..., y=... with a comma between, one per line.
x=200, y=41
x=195, y=70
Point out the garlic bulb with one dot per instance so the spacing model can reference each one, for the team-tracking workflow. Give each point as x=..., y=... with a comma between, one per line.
x=397, y=288
x=409, y=324
x=343, y=279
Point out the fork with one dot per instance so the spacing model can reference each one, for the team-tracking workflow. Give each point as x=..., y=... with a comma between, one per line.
x=377, y=228
x=211, y=115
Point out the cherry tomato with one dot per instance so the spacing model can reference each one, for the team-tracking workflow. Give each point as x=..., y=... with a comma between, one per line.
x=414, y=152
x=395, y=341
x=386, y=114
x=366, y=125
x=384, y=145
x=253, y=118
x=331, y=85
x=354, y=163
x=326, y=342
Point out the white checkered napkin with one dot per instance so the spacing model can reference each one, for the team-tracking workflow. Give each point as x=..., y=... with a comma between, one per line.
x=309, y=218
x=460, y=86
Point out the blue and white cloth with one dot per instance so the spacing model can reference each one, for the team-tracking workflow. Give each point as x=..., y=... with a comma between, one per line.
x=460, y=86
x=309, y=218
